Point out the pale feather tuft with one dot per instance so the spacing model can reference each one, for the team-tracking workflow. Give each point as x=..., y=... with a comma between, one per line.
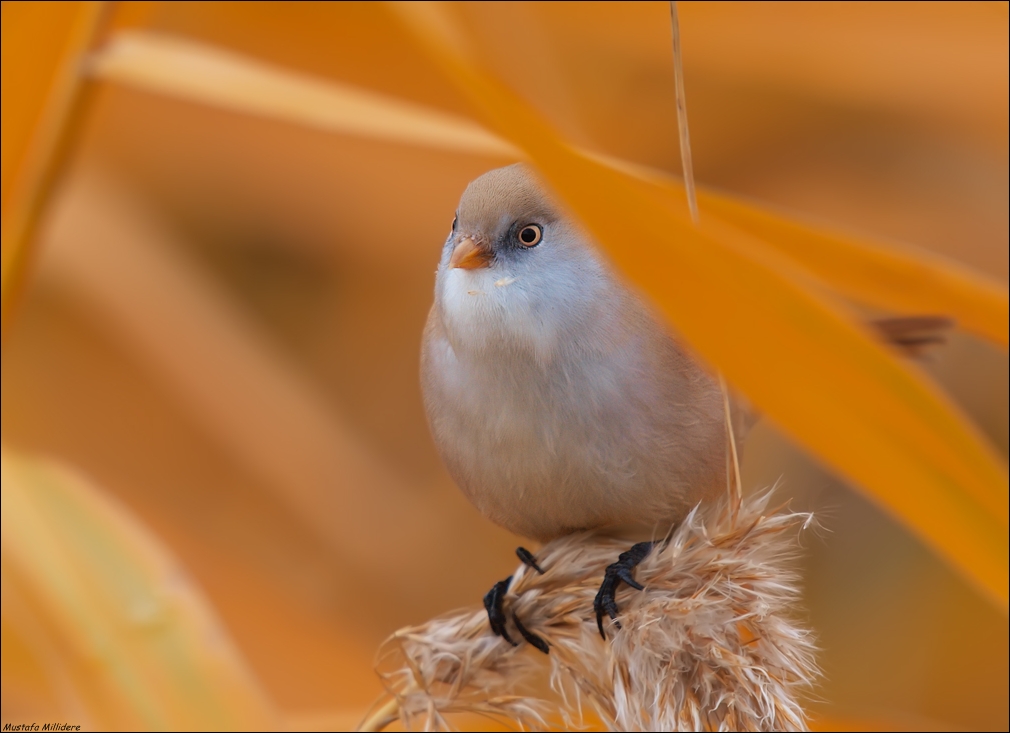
x=711, y=644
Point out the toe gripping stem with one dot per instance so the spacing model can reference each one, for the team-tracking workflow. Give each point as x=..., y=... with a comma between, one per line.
x=613, y=576
x=494, y=601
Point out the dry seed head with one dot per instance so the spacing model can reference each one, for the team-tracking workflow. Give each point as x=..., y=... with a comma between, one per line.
x=711, y=644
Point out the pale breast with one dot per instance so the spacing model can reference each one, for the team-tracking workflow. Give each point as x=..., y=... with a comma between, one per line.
x=629, y=436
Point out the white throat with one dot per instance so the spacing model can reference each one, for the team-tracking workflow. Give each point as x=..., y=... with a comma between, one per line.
x=483, y=310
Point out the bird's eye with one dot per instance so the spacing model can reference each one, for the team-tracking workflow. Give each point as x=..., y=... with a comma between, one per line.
x=530, y=235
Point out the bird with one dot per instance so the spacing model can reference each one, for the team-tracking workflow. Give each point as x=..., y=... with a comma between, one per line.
x=559, y=400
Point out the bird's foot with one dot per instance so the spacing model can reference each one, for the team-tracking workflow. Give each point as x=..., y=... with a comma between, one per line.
x=494, y=601
x=530, y=637
x=528, y=560
x=619, y=571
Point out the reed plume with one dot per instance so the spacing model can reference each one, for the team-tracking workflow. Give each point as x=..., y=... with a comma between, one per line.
x=712, y=643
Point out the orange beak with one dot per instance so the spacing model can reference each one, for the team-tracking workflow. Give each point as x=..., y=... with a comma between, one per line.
x=468, y=255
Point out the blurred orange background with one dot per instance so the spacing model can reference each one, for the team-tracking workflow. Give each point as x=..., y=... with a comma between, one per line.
x=222, y=321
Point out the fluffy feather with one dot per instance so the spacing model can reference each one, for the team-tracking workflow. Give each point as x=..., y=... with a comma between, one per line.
x=557, y=399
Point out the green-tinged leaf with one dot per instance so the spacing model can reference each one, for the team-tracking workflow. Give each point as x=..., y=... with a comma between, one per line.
x=139, y=646
x=759, y=317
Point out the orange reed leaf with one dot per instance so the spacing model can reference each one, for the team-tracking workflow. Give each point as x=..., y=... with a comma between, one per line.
x=766, y=323
x=43, y=44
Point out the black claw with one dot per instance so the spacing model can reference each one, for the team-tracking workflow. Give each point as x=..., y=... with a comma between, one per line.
x=625, y=575
x=493, y=600
x=613, y=576
x=527, y=559
x=530, y=636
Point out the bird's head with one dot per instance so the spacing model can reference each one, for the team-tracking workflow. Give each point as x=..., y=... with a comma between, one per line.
x=515, y=272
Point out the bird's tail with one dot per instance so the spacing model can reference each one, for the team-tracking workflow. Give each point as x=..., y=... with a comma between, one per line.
x=914, y=334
